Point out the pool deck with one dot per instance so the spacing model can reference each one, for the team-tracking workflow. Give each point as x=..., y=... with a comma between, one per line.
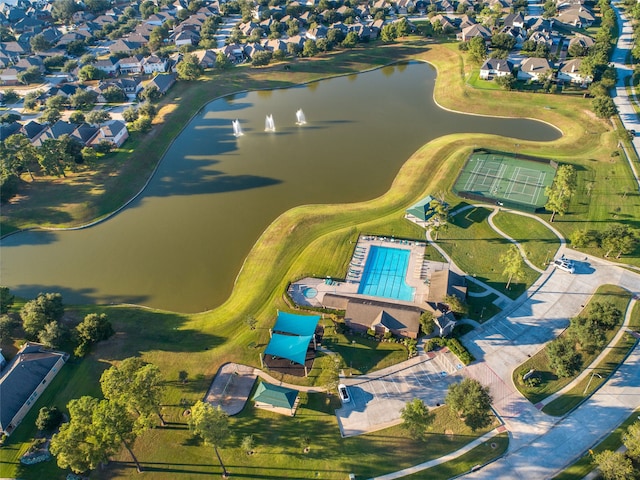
x=417, y=273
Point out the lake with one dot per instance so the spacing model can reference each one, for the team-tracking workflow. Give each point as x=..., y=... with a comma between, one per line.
x=180, y=245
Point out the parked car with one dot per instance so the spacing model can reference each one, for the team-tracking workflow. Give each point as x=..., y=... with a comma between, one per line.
x=344, y=393
x=565, y=265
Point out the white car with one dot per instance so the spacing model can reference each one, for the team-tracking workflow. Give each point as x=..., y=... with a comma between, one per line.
x=564, y=264
x=343, y=393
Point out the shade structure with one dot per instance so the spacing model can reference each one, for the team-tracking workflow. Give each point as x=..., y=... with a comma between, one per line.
x=422, y=210
x=290, y=347
x=296, y=324
x=274, y=395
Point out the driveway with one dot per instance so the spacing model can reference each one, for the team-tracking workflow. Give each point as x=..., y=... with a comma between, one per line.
x=376, y=399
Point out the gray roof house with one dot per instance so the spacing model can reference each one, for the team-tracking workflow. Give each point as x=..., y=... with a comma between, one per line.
x=23, y=380
x=570, y=72
x=495, y=67
x=534, y=69
x=473, y=31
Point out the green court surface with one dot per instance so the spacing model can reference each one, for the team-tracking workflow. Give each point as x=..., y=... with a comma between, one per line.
x=504, y=179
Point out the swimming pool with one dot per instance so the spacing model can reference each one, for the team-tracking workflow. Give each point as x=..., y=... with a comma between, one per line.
x=385, y=272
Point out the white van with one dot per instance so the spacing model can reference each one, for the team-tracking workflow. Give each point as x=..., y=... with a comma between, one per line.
x=565, y=265
x=343, y=393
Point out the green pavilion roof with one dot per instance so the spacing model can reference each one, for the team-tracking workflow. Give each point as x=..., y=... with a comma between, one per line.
x=422, y=209
x=274, y=395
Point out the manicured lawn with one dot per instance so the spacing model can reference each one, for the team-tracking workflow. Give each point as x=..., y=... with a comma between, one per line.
x=362, y=354
x=497, y=445
x=550, y=383
x=476, y=82
x=605, y=368
x=482, y=309
x=539, y=243
x=474, y=246
x=582, y=467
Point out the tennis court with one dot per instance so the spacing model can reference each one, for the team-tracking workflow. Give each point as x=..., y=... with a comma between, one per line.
x=516, y=182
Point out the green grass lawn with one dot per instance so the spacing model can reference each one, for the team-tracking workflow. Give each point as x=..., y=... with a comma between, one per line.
x=482, y=309
x=605, y=368
x=475, y=247
x=476, y=82
x=539, y=362
x=361, y=353
x=539, y=243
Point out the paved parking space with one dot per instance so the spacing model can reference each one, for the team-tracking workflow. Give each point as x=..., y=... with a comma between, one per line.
x=376, y=400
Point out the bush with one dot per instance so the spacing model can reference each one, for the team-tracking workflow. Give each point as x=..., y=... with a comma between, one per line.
x=48, y=419
x=371, y=332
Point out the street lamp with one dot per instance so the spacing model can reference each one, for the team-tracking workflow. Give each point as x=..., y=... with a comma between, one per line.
x=589, y=383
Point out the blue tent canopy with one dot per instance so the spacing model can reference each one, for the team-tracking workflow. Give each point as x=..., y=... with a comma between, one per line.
x=289, y=347
x=296, y=324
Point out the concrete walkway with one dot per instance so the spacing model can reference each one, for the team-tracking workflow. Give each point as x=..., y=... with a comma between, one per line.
x=517, y=244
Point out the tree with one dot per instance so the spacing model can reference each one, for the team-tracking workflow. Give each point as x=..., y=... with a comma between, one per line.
x=36, y=313
x=189, y=68
x=93, y=328
x=30, y=75
x=96, y=117
x=137, y=384
x=477, y=50
x=70, y=66
x=89, y=72
x=631, y=440
x=614, y=465
x=222, y=61
x=248, y=444
x=513, y=264
x=471, y=401
x=603, y=107
x=63, y=10
x=77, y=117
x=20, y=154
x=456, y=305
x=6, y=300
x=212, y=425
x=113, y=94
x=150, y=94
x=49, y=419
x=50, y=115
x=51, y=335
x=350, y=40
x=388, y=33
x=83, y=99
x=508, y=82
x=416, y=418
x=7, y=324
x=130, y=114
x=261, y=58
x=309, y=49
x=142, y=124
x=426, y=323
x=147, y=8
x=618, y=238
x=563, y=358
x=251, y=322
x=561, y=191
x=587, y=333
x=39, y=43
x=10, y=96
x=503, y=41
x=97, y=6
x=439, y=216
x=605, y=314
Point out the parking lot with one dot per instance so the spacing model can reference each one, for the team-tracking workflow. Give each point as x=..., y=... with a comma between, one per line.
x=376, y=400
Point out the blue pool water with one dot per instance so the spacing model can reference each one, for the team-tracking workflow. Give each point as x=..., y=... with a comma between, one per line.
x=310, y=292
x=385, y=272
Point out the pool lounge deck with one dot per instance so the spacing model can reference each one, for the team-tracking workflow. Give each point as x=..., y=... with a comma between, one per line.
x=416, y=277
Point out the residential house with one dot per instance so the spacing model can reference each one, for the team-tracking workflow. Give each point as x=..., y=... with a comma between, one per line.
x=155, y=64
x=54, y=131
x=113, y=131
x=66, y=89
x=206, y=58
x=8, y=129
x=23, y=380
x=495, y=67
x=445, y=22
x=158, y=19
x=539, y=24
x=131, y=86
x=542, y=37
x=583, y=41
x=252, y=48
x=514, y=20
x=535, y=69
x=578, y=17
x=164, y=81
x=186, y=37
x=9, y=76
x=475, y=31
x=32, y=129
x=274, y=45
x=124, y=46
x=570, y=72
x=317, y=32
x=84, y=133
x=235, y=52
x=110, y=66
x=131, y=65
